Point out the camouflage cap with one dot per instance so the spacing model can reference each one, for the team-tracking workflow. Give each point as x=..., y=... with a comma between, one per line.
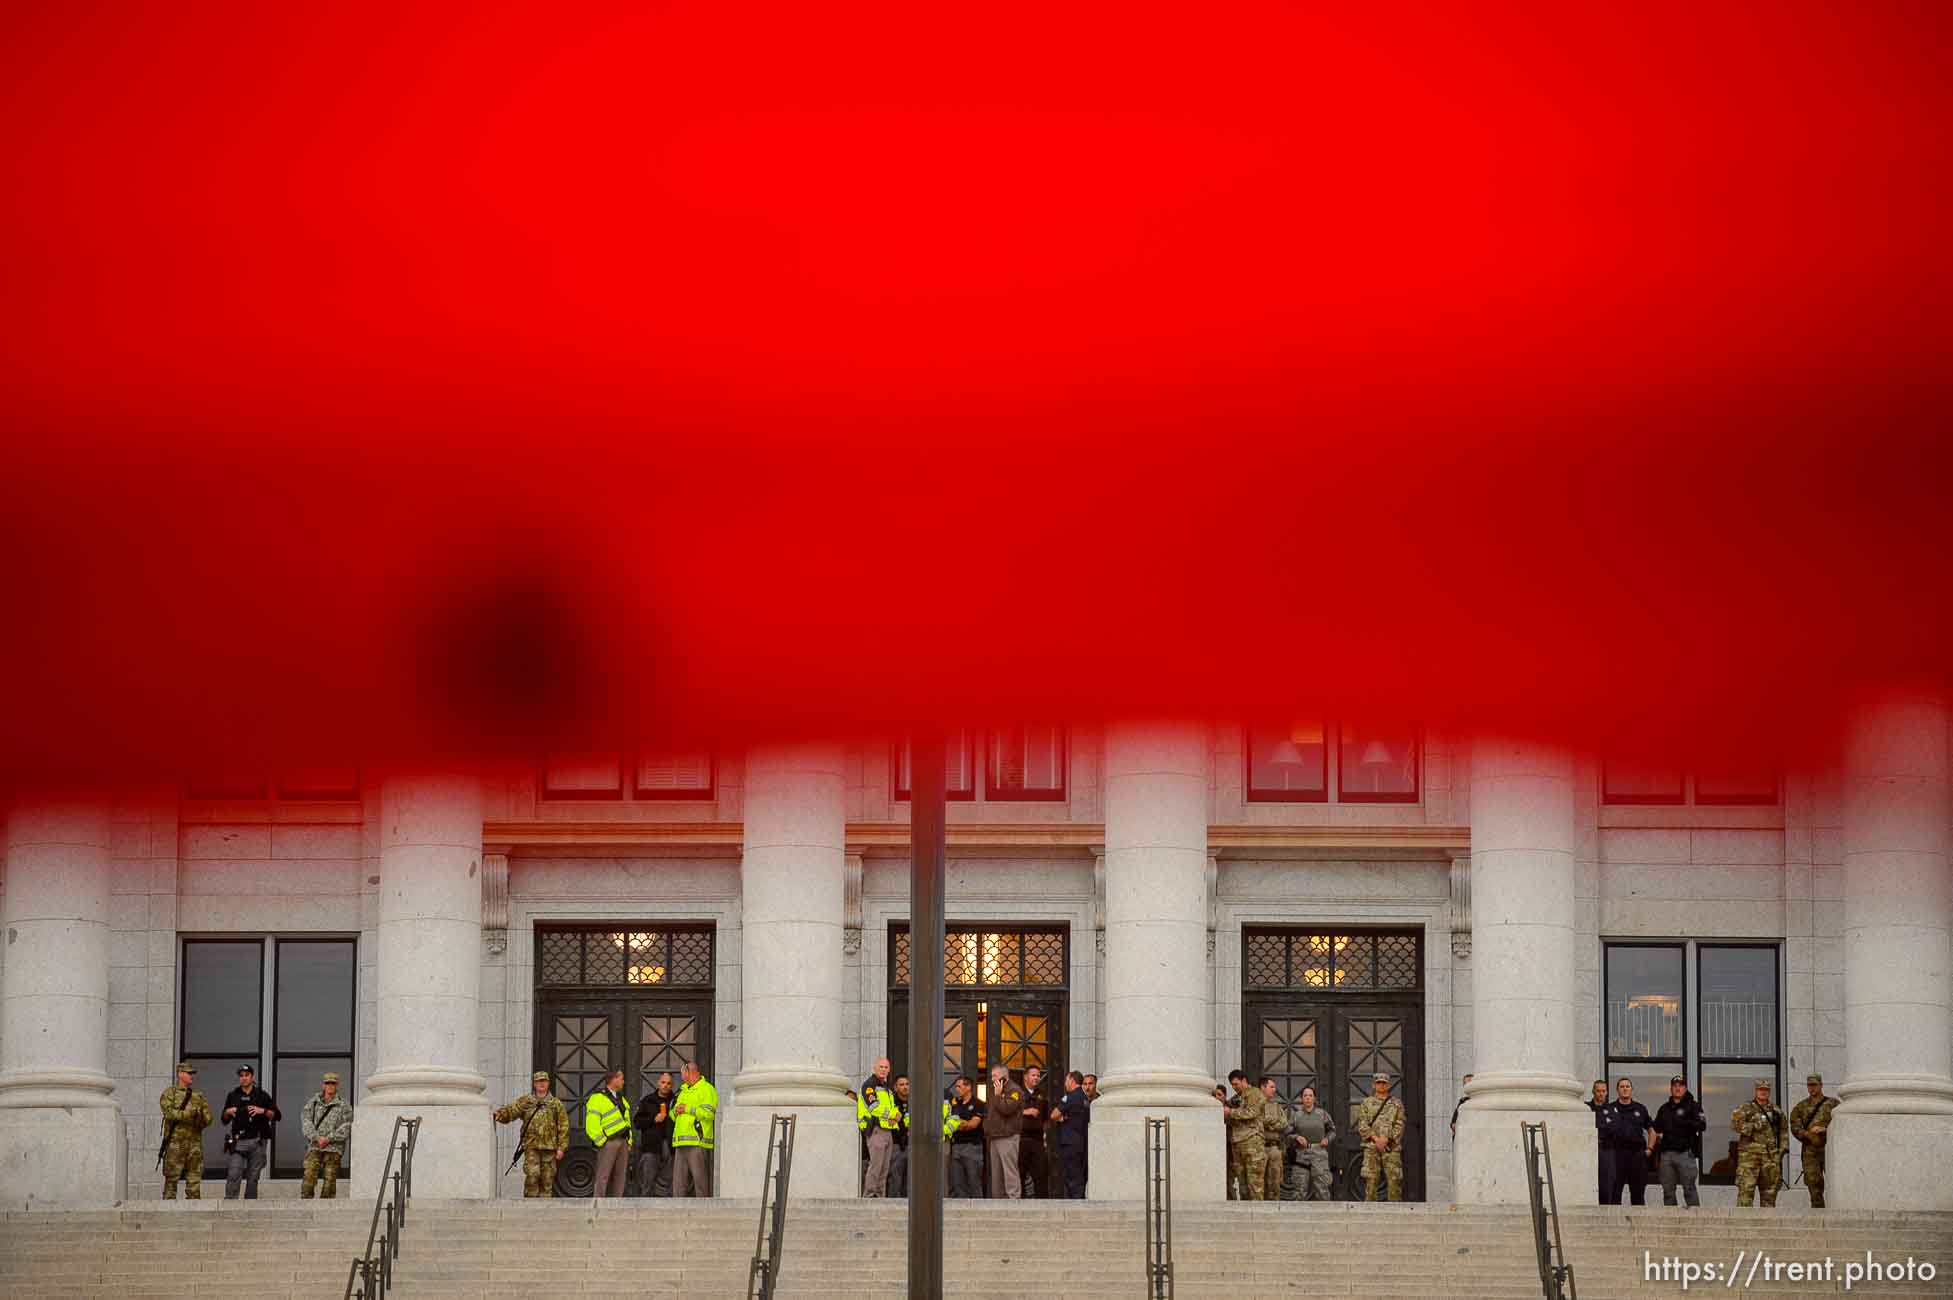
x=1761, y=1083
x=184, y=1067
x=329, y=1077
x=1817, y=1079
x=1379, y=1077
x=540, y=1076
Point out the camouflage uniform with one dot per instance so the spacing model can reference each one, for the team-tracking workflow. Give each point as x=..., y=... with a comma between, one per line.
x=1759, y=1153
x=1247, y=1153
x=547, y=1133
x=186, y=1114
x=1810, y=1121
x=1274, y=1124
x=1382, y=1117
x=333, y=1121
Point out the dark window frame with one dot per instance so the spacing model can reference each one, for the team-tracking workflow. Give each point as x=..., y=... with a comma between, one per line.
x=1677, y=800
x=1681, y=949
x=1263, y=794
x=545, y=791
x=1700, y=800
x=992, y=793
x=640, y=926
x=1775, y=948
x=681, y=794
x=1416, y=794
x=967, y=794
x=1018, y=928
x=1290, y=933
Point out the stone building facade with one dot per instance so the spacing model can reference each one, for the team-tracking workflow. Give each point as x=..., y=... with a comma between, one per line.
x=1153, y=902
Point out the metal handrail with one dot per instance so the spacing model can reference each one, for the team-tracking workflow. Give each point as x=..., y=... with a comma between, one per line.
x=374, y=1272
x=765, y=1272
x=1159, y=1209
x=1555, y=1278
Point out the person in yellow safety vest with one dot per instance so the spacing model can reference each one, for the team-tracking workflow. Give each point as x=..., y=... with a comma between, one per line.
x=693, y=1115
x=875, y=1112
x=607, y=1123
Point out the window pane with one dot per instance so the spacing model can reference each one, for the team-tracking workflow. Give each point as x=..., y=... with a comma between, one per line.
x=319, y=783
x=1027, y=762
x=1644, y=1002
x=1377, y=765
x=1650, y=1081
x=315, y=996
x=242, y=783
x=1739, y=1002
x=223, y=996
x=583, y=776
x=1735, y=787
x=959, y=772
x=1288, y=764
x=1723, y=1089
x=1630, y=782
x=674, y=775
x=296, y=1080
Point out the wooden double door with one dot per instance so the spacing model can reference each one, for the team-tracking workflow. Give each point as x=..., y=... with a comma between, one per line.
x=1337, y=1045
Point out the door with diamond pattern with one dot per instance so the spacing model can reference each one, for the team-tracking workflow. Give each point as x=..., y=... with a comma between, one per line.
x=646, y=1037
x=1336, y=1047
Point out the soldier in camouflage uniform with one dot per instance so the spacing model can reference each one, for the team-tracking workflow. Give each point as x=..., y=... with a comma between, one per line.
x=1380, y=1123
x=1810, y=1120
x=1247, y=1152
x=545, y=1134
x=1761, y=1141
x=186, y=1114
x=1274, y=1124
x=326, y=1123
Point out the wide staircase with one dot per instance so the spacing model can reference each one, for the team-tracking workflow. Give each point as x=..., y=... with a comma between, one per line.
x=701, y=1249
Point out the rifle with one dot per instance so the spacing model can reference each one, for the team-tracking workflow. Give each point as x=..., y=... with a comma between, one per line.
x=522, y=1139
x=169, y=1127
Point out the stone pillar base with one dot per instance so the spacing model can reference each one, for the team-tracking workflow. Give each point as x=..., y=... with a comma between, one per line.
x=1880, y=1161
x=1117, y=1171
x=454, y=1156
x=826, y=1151
x=53, y=1157
x=1490, y=1156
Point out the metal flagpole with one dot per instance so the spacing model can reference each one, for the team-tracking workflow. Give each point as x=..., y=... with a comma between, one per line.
x=926, y=874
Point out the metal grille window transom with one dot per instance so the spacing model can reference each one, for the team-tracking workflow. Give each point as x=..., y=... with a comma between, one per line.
x=604, y=958
x=977, y=957
x=1351, y=961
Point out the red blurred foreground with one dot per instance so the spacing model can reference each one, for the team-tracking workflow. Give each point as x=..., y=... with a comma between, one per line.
x=385, y=382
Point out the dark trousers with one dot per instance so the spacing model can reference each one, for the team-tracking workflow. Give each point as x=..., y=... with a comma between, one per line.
x=653, y=1167
x=1606, y=1193
x=1072, y=1161
x=1034, y=1167
x=244, y=1167
x=966, y=1170
x=1631, y=1172
x=898, y=1173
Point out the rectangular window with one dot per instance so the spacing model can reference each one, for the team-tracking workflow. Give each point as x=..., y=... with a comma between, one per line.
x=959, y=766
x=298, y=994
x=1376, y=765
x=1288, y=764
x=676, y=774
x=583, y=776
x=1706, y=1011
x=1726, y=788
x=1026, y=762
x=1640, y=783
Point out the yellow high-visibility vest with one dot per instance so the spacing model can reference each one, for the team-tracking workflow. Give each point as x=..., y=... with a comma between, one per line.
x=693, y=1127
x=603, y=1121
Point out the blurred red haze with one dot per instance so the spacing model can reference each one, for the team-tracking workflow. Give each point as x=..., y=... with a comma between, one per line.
x=384, y=380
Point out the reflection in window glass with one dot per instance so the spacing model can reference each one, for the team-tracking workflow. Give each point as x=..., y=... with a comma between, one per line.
x=315, y=996
x=1288, y=764
x=959, y=775
x=1724, y=1088
x=1739, y=1002
x=1376, y=765
x=1027, y=762
x=1644, y=1002
x=223, y=992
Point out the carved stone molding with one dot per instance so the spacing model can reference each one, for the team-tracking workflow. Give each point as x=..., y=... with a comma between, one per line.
x=851, y=920
x=1461, y=904
x=1213, y=879
x=495, y=900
